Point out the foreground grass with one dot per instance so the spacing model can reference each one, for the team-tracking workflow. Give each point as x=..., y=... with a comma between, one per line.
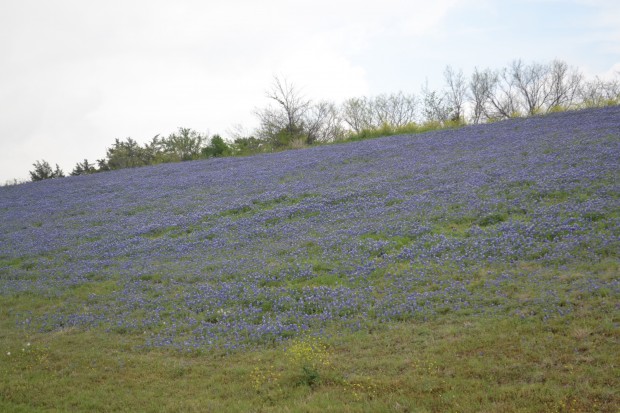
x=456, y=363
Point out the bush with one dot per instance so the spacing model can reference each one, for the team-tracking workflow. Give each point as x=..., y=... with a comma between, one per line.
x=43, y=170
x=217, y=147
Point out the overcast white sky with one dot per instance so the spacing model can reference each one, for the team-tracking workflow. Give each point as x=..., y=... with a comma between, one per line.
x=76, y=74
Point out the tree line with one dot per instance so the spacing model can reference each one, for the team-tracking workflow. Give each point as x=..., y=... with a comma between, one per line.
x=292, y=121
x=184, y=145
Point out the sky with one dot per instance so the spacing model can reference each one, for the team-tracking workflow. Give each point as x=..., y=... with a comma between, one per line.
x=75, y=75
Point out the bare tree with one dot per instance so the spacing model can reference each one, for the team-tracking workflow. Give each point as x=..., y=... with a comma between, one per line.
x=395, y=110
x=599, y=92
x=530, y=84
x=479, y=85
x=531, y=88
x=455, y=93
x=357, y=113
x=381, y=111
x=613, y=90
x=286, y=121
x=492, y=95
x=563, y=84
x=434, y=106
x=501, y=96
x=323, y=123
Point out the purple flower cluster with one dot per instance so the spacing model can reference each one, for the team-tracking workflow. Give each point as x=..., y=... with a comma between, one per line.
x=243, y=251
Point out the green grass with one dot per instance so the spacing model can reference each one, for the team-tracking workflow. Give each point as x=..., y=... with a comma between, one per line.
x=456, y=364
x=457, y=361
x=411, y=128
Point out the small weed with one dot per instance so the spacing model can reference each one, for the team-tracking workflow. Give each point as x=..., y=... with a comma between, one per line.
x=265, y=380
x=362, y=389
x=27, y=358
x=492, y=219
x=308, y=356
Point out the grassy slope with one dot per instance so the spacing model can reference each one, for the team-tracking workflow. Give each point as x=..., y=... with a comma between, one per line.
x=455, y=362
x=447, y=365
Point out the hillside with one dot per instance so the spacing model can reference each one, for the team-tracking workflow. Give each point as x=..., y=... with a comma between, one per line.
x=516, y=221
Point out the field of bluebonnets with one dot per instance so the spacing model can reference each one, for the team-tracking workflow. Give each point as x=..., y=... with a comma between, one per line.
x=242, y=252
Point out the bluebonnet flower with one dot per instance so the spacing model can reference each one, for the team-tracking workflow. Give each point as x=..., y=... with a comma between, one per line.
x=235, y=252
